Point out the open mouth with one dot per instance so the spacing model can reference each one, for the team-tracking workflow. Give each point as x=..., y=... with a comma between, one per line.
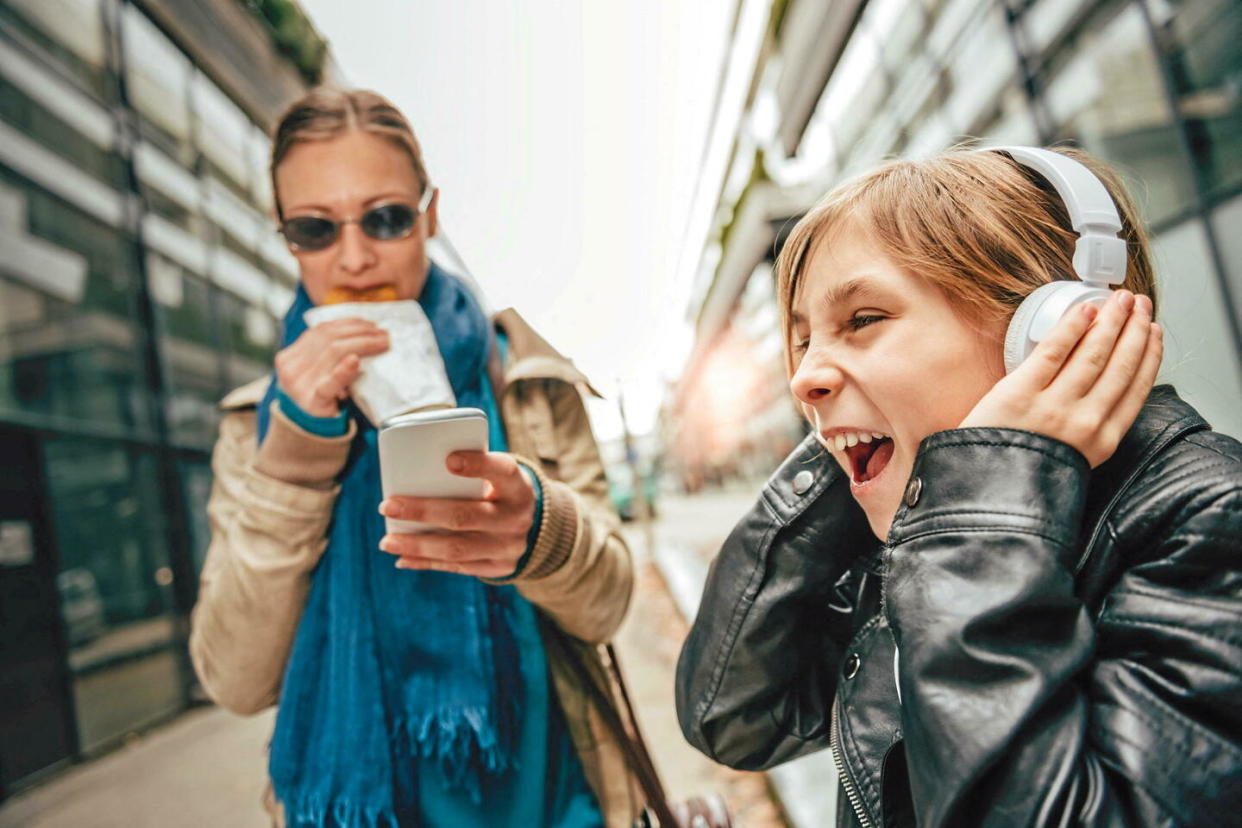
x=868, y=459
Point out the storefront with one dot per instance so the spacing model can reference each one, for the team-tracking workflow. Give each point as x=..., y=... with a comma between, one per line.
x=139, y=280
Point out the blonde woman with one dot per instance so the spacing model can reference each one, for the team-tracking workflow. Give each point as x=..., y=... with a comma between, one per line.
x=999, y=598
x=416, y=676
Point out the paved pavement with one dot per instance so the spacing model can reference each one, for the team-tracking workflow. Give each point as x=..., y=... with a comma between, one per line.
x=207, y=767
x=686, y=538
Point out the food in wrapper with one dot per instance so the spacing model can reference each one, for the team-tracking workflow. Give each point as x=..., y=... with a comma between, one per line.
x=340, y=295
x=410, y=375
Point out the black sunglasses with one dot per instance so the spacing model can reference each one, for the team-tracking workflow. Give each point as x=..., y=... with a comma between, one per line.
x=387, y=222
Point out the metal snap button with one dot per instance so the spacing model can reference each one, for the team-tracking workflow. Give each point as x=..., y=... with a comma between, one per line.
x=913, y=490
x=802, y=481
x=851, y=665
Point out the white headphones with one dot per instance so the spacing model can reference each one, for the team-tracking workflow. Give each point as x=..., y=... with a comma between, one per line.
x=1099, y=256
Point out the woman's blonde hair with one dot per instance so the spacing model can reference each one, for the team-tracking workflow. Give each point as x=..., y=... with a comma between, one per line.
x=326, y=112
x=982, y=227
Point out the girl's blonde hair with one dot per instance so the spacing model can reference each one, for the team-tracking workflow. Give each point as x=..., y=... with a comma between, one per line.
x=326, y=112
x=982, y=227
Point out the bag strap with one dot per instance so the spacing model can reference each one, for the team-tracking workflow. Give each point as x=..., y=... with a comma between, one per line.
x=633, y=746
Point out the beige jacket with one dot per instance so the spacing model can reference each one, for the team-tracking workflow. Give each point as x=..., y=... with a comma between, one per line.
x=270, y=508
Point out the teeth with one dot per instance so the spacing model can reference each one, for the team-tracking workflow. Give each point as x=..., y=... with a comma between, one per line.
x=847, y=439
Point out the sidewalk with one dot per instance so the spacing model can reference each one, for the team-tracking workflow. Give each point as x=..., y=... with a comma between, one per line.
x=687, y=537
x=207, y=768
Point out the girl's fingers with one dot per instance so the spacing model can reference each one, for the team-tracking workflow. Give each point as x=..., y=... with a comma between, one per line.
x=1045, y=362
x=1123, y=365
x=1127, y=409
x=1087, y=362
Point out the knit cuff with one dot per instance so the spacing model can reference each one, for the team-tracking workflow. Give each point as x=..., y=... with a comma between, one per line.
x=294, y=455
x=558, y=530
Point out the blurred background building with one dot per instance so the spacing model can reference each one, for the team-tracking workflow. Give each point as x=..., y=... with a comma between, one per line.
x=140, y=279
x=816, y=92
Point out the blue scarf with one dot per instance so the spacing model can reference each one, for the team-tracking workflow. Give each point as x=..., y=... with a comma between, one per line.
x=389, y=666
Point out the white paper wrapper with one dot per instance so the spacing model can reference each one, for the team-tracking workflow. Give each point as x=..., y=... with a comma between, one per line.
x=410, y=375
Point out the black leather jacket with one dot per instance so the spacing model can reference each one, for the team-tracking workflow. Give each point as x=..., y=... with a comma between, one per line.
x=1036, y=644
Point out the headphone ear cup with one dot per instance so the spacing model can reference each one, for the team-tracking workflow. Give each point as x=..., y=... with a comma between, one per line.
x=1040, y=312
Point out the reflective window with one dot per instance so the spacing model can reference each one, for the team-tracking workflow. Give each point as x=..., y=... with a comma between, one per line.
x=1201, y=358
x=158, y=77
x=71, y=31
x=48, y=129
x=115, y=585
x=196, y=486
x=67, y=344
x=1105, y=91
x=251, y=339
x=1201, y=41
x=982, y=66
x=222, y=135
x=1226, y=219
x=192, y=362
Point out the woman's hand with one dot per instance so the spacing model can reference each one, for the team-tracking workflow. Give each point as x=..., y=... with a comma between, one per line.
x=486, y=538
x=1085, y=383
x=318, y=368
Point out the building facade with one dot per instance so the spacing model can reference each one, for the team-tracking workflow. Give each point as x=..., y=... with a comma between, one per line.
x=1152, y=86
x=140, y=278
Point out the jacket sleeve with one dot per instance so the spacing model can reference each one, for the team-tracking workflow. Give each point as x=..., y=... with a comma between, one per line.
x=757, y=672
x=1018, y=708
x=269, y=511
x=579, y=572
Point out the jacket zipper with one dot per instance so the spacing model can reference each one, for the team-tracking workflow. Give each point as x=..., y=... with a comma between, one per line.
x=851, y=790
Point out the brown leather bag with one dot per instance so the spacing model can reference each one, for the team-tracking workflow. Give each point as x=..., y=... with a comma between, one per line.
x=709, y=811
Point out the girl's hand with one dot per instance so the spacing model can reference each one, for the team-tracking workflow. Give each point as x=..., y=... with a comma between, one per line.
x=1085, y=383
x=485, y=538
x=318, y=368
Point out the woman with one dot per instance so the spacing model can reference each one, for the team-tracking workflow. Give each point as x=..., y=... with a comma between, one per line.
x=421, y=679
x=1003, y=599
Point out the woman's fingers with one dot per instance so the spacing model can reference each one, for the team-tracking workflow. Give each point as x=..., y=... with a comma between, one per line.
x=445, y=546
x=477, y=569
x=1094, y=351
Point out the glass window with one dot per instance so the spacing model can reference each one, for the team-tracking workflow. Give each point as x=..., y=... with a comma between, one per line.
x=67, y=343
x=981, y=68
x=196, y=486
x=854, y=91
x=48, y=129
x=192, y=361
x=222, y=134
x=1105, y=91
x=158, y=77
x=251, y=344
x=1201, y=357
x=1201, y=41
x=71, y=31
x=1226, y=219
x=115, y=585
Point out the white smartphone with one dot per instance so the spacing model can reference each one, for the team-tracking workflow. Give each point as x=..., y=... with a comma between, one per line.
x=413, y=449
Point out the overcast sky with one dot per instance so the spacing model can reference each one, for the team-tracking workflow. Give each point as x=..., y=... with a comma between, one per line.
x=566, y=139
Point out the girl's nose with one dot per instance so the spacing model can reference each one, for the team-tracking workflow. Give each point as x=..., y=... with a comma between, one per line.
x=355, y=254
x=815, y=379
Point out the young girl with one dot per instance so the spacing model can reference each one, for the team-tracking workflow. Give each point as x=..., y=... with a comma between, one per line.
x=998, y=598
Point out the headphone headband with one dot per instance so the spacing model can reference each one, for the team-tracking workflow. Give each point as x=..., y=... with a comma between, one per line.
x=1100, y=255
